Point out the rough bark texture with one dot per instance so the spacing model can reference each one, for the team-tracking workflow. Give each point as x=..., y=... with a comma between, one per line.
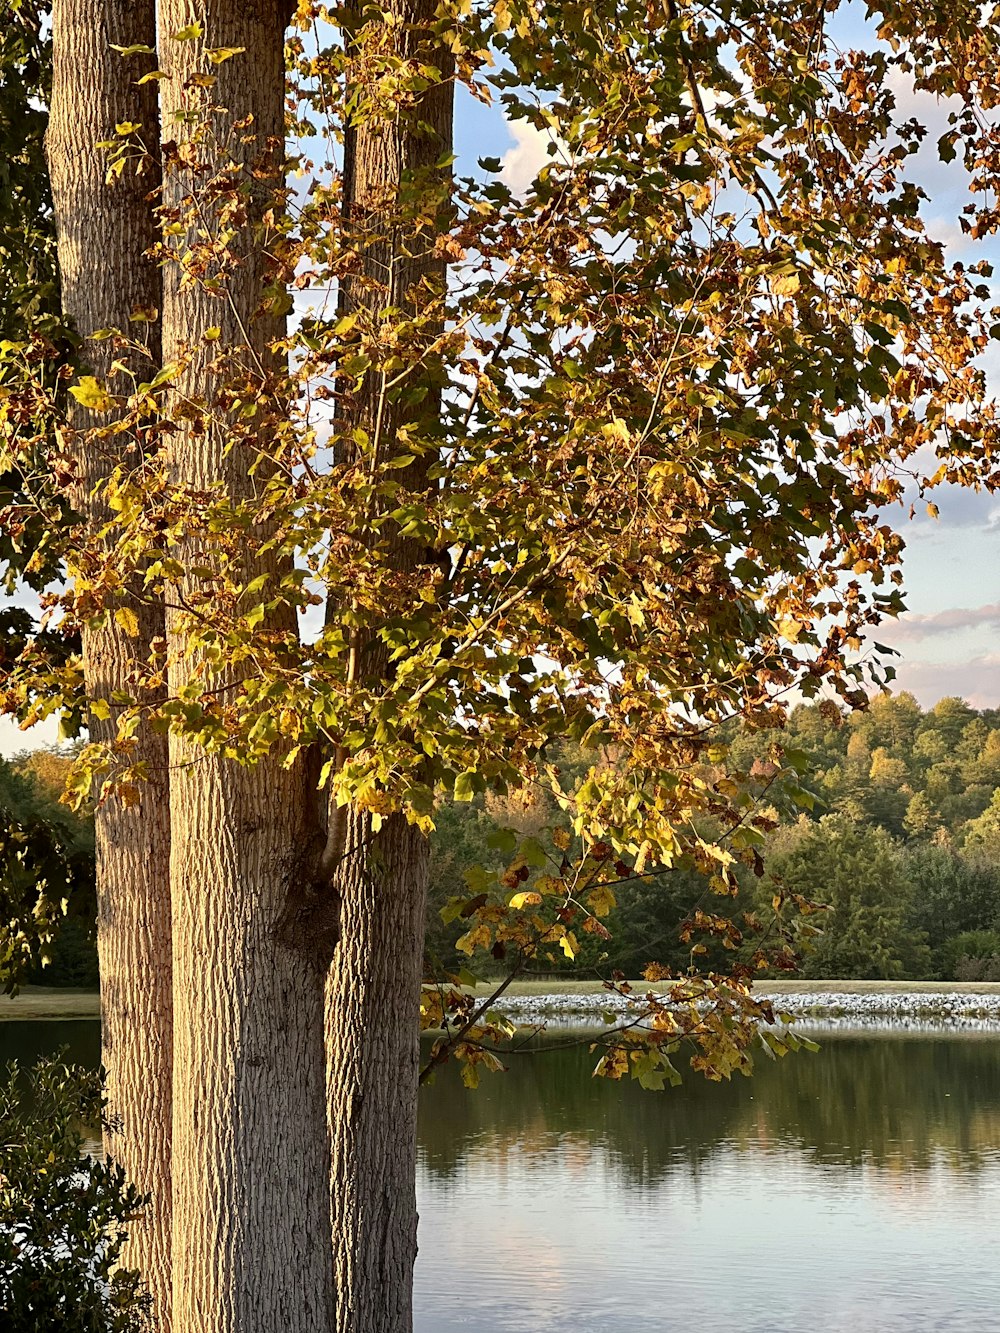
x=251, y=1222
x=103, y=230
x=373, y=1059
x=372, y=1017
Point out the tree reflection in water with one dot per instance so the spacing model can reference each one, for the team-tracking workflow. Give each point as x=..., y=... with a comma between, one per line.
x=848, y=1190
x=902, y=1103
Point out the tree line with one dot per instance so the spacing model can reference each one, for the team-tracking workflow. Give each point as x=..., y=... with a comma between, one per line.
x=900, y=845
x=901, y=848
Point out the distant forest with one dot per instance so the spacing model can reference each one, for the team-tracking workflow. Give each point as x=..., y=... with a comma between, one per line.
x=902, y=845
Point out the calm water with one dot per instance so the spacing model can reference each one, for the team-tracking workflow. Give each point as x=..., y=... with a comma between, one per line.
x=854, y=1191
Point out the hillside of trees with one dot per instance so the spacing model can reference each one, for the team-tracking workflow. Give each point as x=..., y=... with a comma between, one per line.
x=902, y=846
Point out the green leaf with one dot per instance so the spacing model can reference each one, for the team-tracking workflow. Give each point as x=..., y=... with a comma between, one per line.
x=504, y=840
x=534, y=853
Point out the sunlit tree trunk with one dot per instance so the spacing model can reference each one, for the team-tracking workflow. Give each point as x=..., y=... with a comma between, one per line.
x=103, y=231
x=372, y=1012
x=251, y=1217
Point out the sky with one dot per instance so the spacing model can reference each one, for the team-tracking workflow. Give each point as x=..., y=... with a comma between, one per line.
x=949, y=638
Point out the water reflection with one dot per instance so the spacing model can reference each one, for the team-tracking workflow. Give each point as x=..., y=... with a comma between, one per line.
x=853, y=1191
x=28, y=1042
x=898, y=1104
x=850, y=1190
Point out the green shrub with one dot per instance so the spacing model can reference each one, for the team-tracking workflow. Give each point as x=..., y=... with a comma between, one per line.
x=63, y=1213
x=970, y=955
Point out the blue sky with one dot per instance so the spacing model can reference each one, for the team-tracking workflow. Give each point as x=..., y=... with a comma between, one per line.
x=949, y=640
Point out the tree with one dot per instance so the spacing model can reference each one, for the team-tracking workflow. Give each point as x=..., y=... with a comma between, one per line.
x=921, y=817
x=950, y=894
x=249, y=1145
x=858, y=874
x=617, y=477
x=982, y=834
x=104, y=228
x=46, y=872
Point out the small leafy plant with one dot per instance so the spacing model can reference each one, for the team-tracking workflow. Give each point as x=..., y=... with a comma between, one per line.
x=63, y=1211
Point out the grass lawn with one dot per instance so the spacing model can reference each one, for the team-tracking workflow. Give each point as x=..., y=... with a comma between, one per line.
x=35, y=1002
x=44, y=1002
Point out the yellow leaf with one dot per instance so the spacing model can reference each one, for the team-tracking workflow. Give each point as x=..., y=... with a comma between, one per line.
x=570, y=947
x=213, y=334
x=128, y=620
x=470, y=1075
x=617, y=429
x=789, y=628
x=478, y=937
x=217, y=54
x=787, y=285
x=527, y=899
x=601, y=900
x=90, y=393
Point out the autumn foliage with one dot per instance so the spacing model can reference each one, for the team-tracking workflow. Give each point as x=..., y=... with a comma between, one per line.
x=641, y=446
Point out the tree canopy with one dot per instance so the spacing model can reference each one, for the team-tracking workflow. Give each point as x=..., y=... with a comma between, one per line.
x=378, y=476
x=679, y=378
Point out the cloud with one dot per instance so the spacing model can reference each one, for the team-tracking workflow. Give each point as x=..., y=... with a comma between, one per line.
x=976, y=680
x=522, y=163
x=910, y=627
x=959, y=507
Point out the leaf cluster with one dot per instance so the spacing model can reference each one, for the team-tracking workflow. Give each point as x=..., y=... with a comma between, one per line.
x=63, y=1213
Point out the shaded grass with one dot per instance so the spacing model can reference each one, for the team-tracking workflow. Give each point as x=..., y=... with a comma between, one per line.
x=36, y=1002
x=40, y=1002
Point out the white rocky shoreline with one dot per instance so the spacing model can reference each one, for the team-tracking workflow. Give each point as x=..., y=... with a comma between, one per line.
x=814, y=1010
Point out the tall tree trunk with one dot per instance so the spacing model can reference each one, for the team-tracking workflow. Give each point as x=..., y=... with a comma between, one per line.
x=373, y=1064
x=251, y=1218
x=372, y=1010
x=103, y=231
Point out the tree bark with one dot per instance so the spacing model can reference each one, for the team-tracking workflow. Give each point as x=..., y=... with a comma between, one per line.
x=251, y=1221
x=373, y=1062
x=103, y=231
x=372, y=1006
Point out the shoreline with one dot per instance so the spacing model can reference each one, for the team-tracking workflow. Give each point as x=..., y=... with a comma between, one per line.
x=831, y=1005
x=814, y=1006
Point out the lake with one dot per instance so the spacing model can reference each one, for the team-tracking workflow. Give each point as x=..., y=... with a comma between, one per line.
x=851, y=1191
